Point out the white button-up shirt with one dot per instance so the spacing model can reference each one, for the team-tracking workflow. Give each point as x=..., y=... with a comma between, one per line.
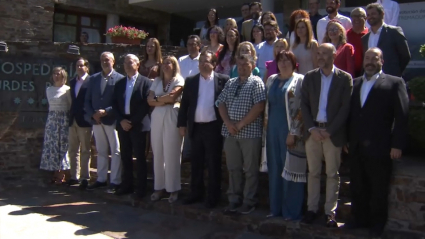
x=324, y=92
x=205, y=112
x=188, y=66
x=322, y=23
x=367, y=86
x=129, y=92
x=79, y=83
x=374, y=38
x=104, y=81
x=392, y=10
x=265, y=53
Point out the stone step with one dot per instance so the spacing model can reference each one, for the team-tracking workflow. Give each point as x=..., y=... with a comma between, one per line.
x=255, y=222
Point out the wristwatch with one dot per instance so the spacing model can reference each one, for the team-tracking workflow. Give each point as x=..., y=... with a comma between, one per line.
x=155, y=98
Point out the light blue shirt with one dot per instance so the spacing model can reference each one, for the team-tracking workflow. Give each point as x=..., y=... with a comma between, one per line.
x=265, y=53
x=324, y=92
x=129, y=92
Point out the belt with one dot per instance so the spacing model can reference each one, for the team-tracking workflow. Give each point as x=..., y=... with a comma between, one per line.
x=206, y=122
x=320, y=124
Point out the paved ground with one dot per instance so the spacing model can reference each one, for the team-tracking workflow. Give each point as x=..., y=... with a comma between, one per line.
x=52, y=213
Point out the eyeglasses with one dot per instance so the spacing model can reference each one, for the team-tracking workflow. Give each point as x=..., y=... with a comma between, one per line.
x=357, y=16
x=333, y=29
x=238, y=89
x=203, y=62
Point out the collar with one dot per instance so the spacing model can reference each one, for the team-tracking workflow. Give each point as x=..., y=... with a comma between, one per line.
x=108, y=75
x=83, y=78
x=133, y=78
x=332, y=72
x=338, y=16
x=373, y=78
x=210, y=77
x=377, y=32
x=194, y=59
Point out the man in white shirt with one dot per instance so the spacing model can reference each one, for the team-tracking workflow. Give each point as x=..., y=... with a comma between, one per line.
x=200, y=121
x=189, y=66
x=332, y=7
x=325, y=104
x=80, y=130
x=377, y=134
x=265, y=49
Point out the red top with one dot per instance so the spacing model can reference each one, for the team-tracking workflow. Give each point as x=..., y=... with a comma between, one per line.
x=355, y=39
x=344, y=59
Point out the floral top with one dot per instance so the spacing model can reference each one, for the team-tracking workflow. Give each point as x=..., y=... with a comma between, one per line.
x=225, y=67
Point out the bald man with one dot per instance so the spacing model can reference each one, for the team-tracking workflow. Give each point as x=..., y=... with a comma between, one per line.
x=130, y=107
x=325, y=102
x=354, y=37
x=377, y=134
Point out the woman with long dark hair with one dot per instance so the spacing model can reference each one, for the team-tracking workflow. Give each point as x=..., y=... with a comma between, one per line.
x=215, y=36
x=304, y=46
x=152, y=59
x=257, y=35
x=295, y=16
x=212, y=20
x=226, y=57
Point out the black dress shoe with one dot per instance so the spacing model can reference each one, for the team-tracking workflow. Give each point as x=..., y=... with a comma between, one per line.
x=123, y=191
x=210, y=205
x=72, y=182
x=83, y=184
x=330, y=221
x=191, y=200
x=309, y=217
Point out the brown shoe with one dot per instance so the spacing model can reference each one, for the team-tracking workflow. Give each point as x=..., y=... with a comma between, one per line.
x=331, y=222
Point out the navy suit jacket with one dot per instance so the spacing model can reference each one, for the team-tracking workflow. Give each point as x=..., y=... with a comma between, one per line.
x=77, y=111
x=96, y=100
x=139, y=107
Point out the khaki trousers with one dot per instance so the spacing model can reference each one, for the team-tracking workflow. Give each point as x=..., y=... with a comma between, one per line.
x=79, y=151
x=316, y=150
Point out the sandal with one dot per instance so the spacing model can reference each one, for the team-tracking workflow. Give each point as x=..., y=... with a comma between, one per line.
x=156, y=195
x=60, y=178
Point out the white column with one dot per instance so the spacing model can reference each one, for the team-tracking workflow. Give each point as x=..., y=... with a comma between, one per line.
x=268, y=5
x=112, y=20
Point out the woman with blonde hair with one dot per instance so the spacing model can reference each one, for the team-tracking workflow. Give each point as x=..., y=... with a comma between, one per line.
x=336, y=34
x=165, y=96
x=245, y=47
x=271, y=66
x=229, y=24
x=305, y=47
x=55, y=144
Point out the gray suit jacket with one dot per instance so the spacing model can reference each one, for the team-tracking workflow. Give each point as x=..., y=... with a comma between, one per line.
x=95, y=100
x=394, y=45
x=338, y=106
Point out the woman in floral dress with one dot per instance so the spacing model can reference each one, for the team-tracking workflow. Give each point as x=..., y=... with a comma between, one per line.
x=55, y=143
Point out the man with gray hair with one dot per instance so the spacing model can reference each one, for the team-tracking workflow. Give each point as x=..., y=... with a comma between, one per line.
x=130, y=106
x=354, y=37
x=240, y=105
x=325, y=104
x=98, y=106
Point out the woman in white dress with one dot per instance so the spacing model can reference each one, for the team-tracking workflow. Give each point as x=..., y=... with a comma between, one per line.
x=165, y=96
x=55, y=143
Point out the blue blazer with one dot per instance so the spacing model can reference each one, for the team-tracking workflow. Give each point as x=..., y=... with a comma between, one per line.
x=77, y=106
x=95, y=100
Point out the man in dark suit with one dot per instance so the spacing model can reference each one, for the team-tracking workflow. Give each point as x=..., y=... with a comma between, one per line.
x=377, y=134
x=80, y=130
x=130, y=106
x=390, y=39
x=199, y=114
x=325, y=104
x=98, y=106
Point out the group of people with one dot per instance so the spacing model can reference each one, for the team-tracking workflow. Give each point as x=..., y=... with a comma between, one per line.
x=280, y=106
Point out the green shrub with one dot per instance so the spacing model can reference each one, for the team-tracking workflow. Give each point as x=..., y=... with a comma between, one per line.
x=417, y=88
x=417, y=126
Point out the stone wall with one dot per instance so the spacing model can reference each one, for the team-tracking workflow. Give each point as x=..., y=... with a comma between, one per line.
x=32, y=20
x=24, y=74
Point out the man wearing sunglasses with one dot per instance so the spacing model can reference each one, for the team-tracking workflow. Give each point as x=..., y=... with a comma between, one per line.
x=241, y=104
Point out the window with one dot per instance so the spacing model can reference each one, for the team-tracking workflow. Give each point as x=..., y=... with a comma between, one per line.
x=68, y=27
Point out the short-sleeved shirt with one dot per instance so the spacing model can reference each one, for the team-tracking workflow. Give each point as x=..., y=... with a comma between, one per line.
x=157, y=86
x=239, y=100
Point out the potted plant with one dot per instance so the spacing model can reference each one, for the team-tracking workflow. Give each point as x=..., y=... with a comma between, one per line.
x=126, y=35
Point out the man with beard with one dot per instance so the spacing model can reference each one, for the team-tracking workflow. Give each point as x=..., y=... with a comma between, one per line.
x=265, y=49
x=245, y=15
x=377, y=134
x=354, y=37
x=255, y=10
x=325, y=104
x=332, y=7
x=389, y=39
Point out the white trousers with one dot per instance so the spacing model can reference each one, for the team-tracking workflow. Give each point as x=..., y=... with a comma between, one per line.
x=106, y=138
x=79, y=151
x=166, y=147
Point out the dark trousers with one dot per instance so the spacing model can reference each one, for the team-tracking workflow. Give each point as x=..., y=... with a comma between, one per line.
x=370, y=182
x=133, y=142
x=207, y=146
